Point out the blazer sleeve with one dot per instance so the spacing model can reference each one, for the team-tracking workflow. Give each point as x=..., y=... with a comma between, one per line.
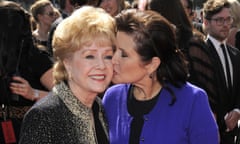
x=203, y=127
x=36, y=127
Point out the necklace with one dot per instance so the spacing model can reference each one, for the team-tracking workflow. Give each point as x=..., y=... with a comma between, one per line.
x=144, y=97
x=140, y=107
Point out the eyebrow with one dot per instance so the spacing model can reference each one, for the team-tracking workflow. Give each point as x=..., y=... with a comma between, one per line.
x=94, y=50
x=121, y=49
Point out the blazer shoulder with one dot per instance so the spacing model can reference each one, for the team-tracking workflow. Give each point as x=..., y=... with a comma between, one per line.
x=234, y=50
x=49, y=105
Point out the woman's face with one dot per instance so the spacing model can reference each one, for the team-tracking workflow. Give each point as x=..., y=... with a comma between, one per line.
x=110, y=6
x=90, y=68
x=127, y=65
x=48, y=16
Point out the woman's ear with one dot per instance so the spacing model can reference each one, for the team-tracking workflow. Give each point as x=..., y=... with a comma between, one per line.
x=153, y=65
x=66, y=64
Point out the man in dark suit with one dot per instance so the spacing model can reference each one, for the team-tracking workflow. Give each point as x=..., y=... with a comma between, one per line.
x=225, y=103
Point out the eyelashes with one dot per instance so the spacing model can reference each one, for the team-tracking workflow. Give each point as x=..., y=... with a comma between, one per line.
x=123, y=53
x=108, y=57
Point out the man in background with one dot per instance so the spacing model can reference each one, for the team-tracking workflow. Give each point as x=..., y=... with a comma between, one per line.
x=225, y=103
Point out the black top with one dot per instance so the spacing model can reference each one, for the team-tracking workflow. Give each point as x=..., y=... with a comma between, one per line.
x=101, y=136
x=32, y=69
x=138, y=109
x=39, y=42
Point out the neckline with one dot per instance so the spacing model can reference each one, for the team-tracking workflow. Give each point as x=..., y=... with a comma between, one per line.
x=144, y=98
x=138, y=108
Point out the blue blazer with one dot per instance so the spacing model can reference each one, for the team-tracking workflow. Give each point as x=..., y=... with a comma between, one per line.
x=188, y=121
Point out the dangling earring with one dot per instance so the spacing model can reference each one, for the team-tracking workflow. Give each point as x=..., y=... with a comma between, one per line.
x=151, y=76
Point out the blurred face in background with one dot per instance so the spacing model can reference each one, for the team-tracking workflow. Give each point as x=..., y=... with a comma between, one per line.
x=48, y=16
x=110, y=6
x=190, y=13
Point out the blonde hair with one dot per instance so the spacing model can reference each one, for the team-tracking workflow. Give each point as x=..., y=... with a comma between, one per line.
x=85, y=26
x=235, y=12
x=38, y=8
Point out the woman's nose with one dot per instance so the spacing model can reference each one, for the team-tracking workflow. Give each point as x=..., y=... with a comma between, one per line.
x=100, y=64
x=115, y=58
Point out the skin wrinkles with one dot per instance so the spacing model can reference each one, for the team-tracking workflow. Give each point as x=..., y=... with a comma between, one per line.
x=90, y=71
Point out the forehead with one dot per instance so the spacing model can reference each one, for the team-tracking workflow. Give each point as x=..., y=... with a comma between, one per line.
x=95, y=48
x=126, y=42
x=225, y=12
x=101, y=44
x=124, y=39
x=99, y=41
x=48, y=7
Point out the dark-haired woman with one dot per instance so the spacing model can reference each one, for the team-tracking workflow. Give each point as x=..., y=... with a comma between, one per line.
x=25, y=72
x=155, y=104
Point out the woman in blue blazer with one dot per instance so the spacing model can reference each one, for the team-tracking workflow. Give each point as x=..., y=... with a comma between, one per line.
x=155, y=104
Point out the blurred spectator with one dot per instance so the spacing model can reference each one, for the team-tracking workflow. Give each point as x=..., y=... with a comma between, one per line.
x=113, y=7
x=25, y=73
x=66, y=8
x=44, y=15
x=225, y=101
x=94, y=3
x=173, y=11
x=188, y=6
x=235, y=13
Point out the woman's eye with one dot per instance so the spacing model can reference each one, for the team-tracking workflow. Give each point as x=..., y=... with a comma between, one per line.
x=108, y=57
x=123, y=54
x=89, y=57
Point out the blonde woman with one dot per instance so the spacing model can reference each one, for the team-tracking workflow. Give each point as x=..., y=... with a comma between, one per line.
x=83, y=46
x=44, y=14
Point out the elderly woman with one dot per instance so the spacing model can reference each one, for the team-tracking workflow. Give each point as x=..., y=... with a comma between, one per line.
x=83, y=48
x=155, y=104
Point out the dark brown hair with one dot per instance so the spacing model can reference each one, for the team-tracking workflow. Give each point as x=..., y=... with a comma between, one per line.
x=154, y=36
x=173, y=11
x=212, y=7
